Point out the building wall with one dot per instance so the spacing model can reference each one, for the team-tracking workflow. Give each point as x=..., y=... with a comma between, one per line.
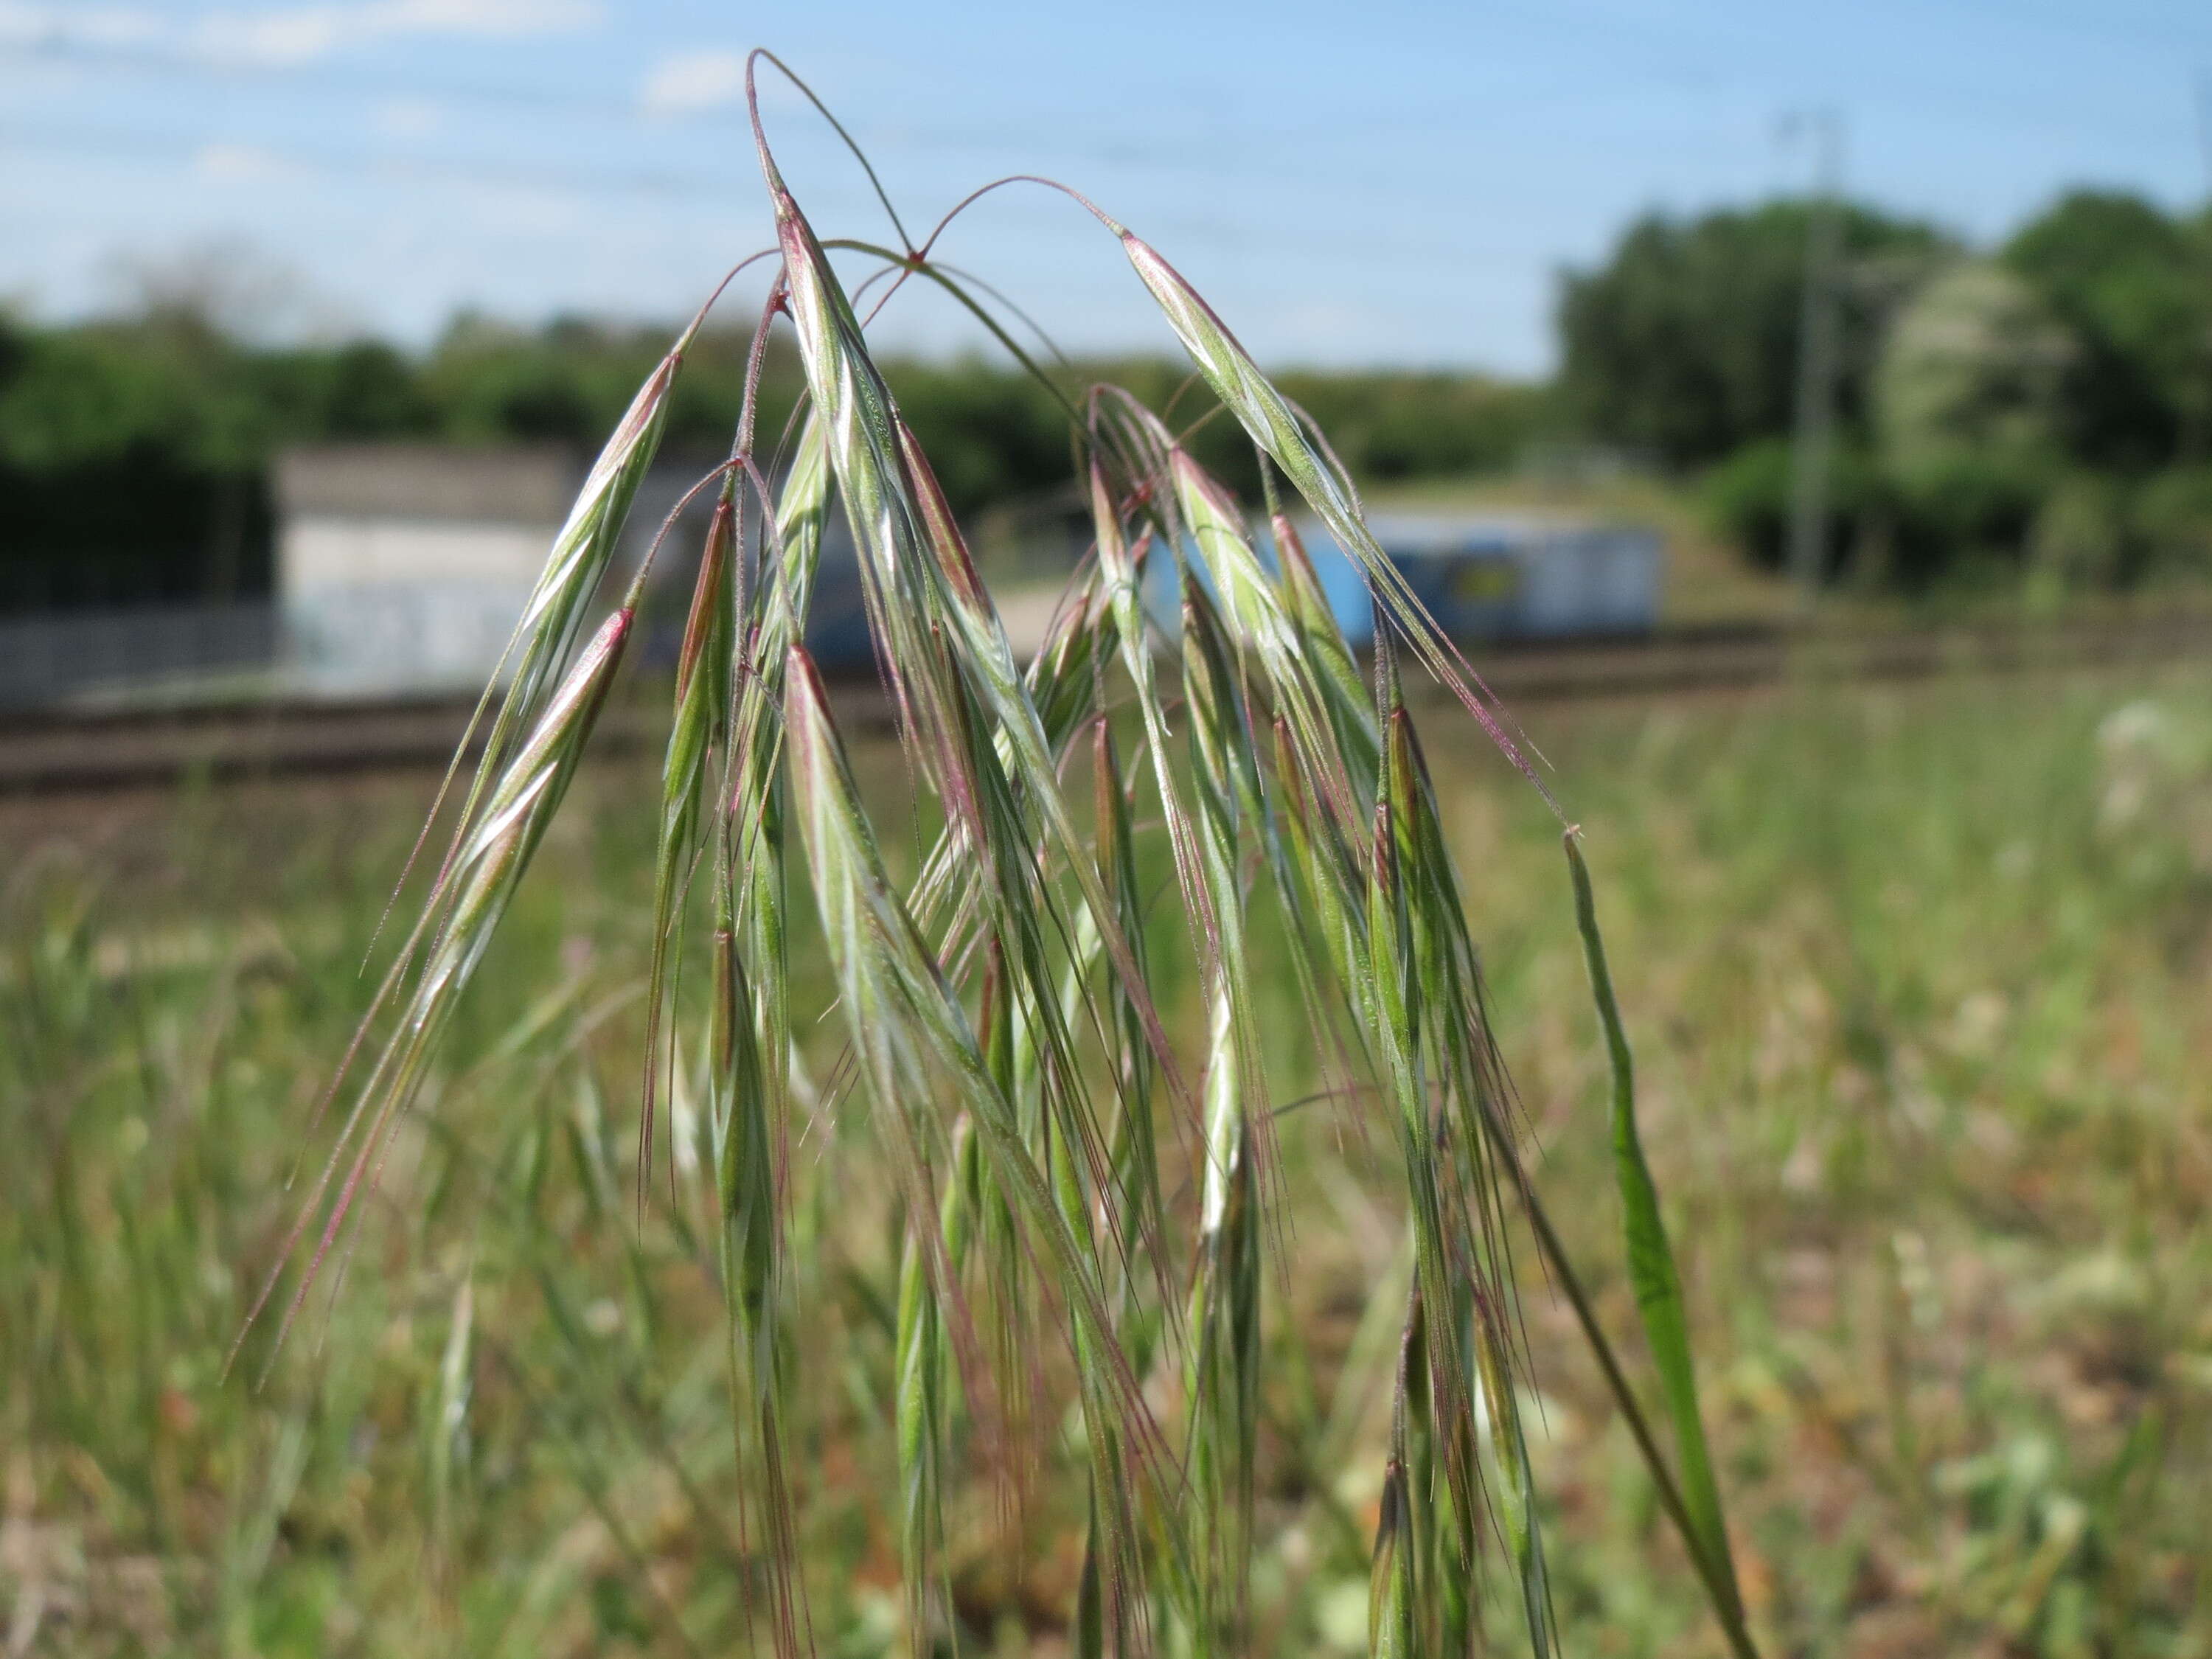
x=402, y=569
x=317, y=552
x=506, y=485
x=399, y=639
x=383, y=607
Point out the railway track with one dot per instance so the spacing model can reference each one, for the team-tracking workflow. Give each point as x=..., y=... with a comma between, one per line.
x=50, y=753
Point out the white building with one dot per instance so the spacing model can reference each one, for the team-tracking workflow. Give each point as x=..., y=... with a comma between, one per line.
x=402, y=569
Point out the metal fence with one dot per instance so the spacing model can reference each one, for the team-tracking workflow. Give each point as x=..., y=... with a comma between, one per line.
x=64, y=656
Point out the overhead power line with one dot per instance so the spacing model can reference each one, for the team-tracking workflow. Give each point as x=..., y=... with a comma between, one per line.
x=1647, y=48
x=738, y=187
x=155, y=60
x=187, y=148
x=718, y=122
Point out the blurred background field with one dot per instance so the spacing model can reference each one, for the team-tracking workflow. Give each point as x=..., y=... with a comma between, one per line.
x=1916, y=977
x=1914, y=305
x=1914, y=953
x=2006, y=433
x=2029, y=421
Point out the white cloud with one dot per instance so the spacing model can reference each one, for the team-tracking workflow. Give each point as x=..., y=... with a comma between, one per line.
x=510, y=19
x=240, y=164
x=23, y=23
x=277, y=37
x=296, y=34
x=693, y=80
x=287, y=33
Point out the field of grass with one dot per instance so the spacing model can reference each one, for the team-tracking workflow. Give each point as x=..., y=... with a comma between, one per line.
x=1918, y=983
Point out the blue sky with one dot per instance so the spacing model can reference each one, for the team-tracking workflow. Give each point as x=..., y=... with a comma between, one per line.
x=1385, y=184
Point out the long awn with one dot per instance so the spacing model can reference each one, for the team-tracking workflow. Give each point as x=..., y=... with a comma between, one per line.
x=1005, y=1040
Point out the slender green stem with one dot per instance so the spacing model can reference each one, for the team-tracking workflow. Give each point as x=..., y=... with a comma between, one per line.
x=1651, y=1269
x=1662, y=1477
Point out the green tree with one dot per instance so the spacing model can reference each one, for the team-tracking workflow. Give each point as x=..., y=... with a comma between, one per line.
x=1968, y=412
x=1683, y=343
x=130, y=464
x=2134, y=284
x=2171, y=519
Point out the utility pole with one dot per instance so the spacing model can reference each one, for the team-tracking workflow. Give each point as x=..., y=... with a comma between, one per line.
x=1816, y=363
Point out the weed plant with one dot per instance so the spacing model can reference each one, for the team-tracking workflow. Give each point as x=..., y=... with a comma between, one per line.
x=1003, y=1171
x=1088, y=1210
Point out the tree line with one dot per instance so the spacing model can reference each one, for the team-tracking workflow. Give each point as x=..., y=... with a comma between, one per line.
x=2046, y=405
x=136, y=450
x=2043, y=408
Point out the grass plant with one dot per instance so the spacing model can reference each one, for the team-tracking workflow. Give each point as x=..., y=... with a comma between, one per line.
x=1006, y=1044
x=979, y=1181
